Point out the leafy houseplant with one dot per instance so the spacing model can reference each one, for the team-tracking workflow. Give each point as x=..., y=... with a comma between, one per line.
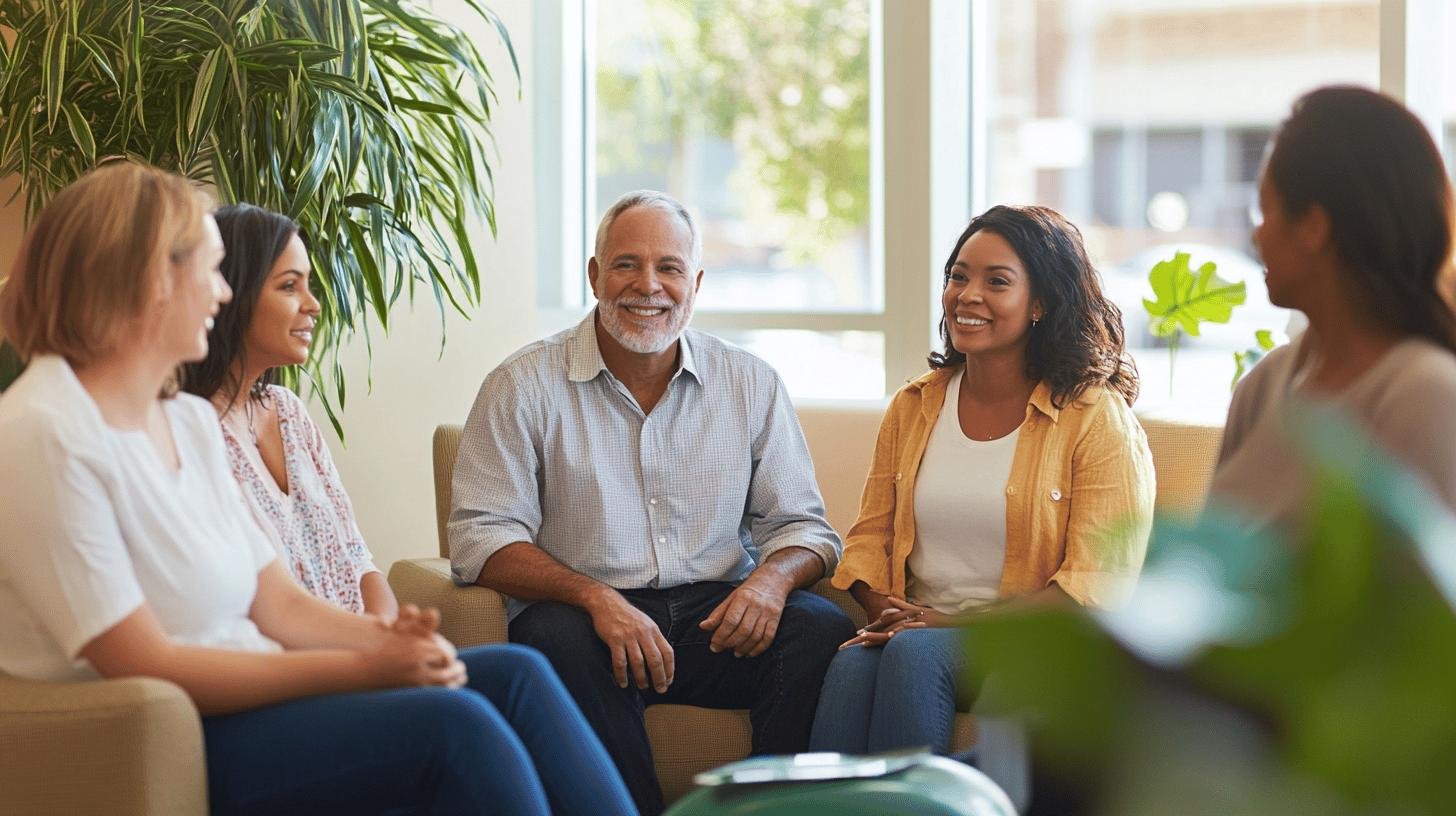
x=367, y=121
x=1186, y=299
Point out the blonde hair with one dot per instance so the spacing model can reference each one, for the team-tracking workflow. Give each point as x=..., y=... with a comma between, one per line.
x=88, y=267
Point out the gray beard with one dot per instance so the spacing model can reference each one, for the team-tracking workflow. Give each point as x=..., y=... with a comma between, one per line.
x=644, y=342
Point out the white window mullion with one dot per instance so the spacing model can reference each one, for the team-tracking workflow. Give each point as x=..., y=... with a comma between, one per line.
x=1411, y=56
x=905, y=128
x=559, y=122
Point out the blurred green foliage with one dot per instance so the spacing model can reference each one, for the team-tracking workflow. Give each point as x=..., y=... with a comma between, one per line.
x=786, y=82
x=1248, y=358
x=1252, y=675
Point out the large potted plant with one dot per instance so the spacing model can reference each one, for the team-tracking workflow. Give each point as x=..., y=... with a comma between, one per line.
x=367, y=121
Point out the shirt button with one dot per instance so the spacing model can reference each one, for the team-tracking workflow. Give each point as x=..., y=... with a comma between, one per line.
x=652, y=501
x=1056, y=495
x=1011, y=490
x=662, y=539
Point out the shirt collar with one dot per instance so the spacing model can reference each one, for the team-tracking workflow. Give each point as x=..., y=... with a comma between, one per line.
x=686, y=361
x=1041, y=400
x=936, y=380
x=584, y=357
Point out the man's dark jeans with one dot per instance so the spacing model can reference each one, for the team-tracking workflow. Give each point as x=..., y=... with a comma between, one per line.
x=779, y=687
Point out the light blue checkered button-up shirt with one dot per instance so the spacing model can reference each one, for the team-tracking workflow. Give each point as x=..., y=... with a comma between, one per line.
x=557, y=453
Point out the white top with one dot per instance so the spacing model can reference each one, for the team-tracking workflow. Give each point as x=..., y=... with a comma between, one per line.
x=95, y=524
x=960, y=514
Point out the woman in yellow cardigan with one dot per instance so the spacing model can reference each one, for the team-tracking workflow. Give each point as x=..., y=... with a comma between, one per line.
x=1012, y=472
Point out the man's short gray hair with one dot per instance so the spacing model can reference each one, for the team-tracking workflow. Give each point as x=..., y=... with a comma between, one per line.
x=656, y=201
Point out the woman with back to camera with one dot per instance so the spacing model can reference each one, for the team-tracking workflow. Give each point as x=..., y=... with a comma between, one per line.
x=1013, y=472
x=128, y=551
x=277, y=453
x=1356, y=233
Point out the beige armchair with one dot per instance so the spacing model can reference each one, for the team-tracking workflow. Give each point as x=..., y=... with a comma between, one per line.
x=687, y=739
x=117, y=747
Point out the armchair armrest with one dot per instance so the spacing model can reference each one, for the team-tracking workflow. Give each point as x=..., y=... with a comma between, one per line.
x=130, y=746
x=469, y=616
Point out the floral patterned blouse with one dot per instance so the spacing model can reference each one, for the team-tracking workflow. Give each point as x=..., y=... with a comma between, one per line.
x=312, y=525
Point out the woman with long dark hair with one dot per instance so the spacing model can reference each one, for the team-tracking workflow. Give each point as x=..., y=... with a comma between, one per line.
x=277, y=453
x=1356, y=233
x=1013, y=472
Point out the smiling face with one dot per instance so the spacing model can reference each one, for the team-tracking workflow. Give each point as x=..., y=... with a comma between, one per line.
x=196, y=291
x=643, y=281
x=281, y=328
x=987, y=300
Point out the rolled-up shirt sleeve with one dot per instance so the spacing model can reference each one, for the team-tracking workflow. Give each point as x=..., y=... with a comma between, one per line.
x=784, y=508
x=495, y=490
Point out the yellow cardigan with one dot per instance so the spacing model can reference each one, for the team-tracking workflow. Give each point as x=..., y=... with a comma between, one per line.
x=1079, y=501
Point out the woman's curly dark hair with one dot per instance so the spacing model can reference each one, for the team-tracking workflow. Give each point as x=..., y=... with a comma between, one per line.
x=1078, y=342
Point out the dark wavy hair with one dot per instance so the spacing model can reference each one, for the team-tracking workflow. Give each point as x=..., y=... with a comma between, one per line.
x=253, y=239
x=1079, y=341
x=1376, y=172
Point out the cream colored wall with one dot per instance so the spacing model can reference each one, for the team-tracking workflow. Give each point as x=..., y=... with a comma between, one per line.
x=386, y=462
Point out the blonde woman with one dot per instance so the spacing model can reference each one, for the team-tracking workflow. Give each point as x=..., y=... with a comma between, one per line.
x=127, y=550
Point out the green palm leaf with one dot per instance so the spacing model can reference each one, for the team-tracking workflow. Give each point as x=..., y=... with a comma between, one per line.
x=365, y=120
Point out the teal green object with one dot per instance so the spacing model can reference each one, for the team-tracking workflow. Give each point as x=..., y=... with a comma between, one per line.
x=933, y=786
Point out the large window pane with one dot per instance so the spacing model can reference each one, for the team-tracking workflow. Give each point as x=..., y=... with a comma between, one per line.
x=820, y=364
x=756, y=113
x=1144, y=121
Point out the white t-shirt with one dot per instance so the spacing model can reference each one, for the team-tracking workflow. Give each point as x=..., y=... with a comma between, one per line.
x=93, y=523
x=960, y=514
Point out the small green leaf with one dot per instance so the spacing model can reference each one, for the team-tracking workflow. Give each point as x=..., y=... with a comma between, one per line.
x=81, y=132
x=1241, y=365
x=53, y=73
x=1265, y=339
x=1186, y=299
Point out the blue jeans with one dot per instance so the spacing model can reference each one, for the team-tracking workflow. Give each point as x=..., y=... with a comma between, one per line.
x=905, y=695
x=900, y=695
x=511, y=742
x=779, y=687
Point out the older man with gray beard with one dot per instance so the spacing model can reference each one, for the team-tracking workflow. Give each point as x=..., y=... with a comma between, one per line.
x=643, y=495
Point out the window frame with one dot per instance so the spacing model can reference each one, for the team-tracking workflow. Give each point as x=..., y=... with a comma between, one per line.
x=925, y=161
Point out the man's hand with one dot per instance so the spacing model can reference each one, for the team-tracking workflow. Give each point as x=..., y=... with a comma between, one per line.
x=747, y=620
x=637, y=645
